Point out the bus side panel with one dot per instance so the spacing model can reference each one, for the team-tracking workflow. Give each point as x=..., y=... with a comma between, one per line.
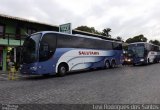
x=152, y=56
x=76, y=59
x=87, y=58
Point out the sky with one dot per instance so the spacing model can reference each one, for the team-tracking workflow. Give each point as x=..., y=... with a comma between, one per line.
x=126, y=18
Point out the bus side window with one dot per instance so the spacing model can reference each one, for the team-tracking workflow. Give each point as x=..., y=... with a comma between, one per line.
x=117, y=46
x=44, y=51
x=47, y=46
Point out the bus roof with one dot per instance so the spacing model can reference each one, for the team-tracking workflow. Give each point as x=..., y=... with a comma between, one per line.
x=78, y=35
x=143, y=43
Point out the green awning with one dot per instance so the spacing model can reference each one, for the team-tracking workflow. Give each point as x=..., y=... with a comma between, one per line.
x=11, y=42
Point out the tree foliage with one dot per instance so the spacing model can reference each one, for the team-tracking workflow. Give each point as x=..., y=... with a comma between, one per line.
x=156, y=42
x=139, y=38
x=119, y=38
x=105, y=32
x=88, y=29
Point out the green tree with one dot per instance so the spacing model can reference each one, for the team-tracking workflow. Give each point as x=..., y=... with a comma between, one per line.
x=139, y=38
x=119, y=38
x=88, y=29
x=106, y=32
x=156, y=42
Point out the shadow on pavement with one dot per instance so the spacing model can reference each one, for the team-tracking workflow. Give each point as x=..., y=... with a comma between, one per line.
x=42, y=77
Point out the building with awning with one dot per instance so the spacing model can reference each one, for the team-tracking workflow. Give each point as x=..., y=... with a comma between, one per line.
x=13, y=31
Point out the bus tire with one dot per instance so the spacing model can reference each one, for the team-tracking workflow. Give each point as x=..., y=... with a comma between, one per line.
x=107, y=65
x=148, y=61
x=62, y=70
x=113, y=64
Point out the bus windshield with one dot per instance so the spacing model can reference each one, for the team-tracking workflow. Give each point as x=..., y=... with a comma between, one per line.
x=137, y=50
x=140, y=51
x=30, y=48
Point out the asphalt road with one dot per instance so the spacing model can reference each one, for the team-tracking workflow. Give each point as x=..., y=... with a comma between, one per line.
x=122, y=85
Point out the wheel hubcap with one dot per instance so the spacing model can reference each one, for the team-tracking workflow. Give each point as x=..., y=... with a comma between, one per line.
x=113, y=64
x=107, y=65
x=63, y=69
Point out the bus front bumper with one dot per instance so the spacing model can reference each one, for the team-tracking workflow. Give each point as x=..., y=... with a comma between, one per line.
x=29, y=70
x=140, y=61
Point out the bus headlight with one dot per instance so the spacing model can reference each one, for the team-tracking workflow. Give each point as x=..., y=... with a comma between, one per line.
x=125, y=59
x=33, y=68
x=129, y=60
x=142, y=59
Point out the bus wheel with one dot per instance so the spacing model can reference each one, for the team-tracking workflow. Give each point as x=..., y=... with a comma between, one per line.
x=148, y=61
x=107, y=65
x=113, y=64
x=62, y=70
